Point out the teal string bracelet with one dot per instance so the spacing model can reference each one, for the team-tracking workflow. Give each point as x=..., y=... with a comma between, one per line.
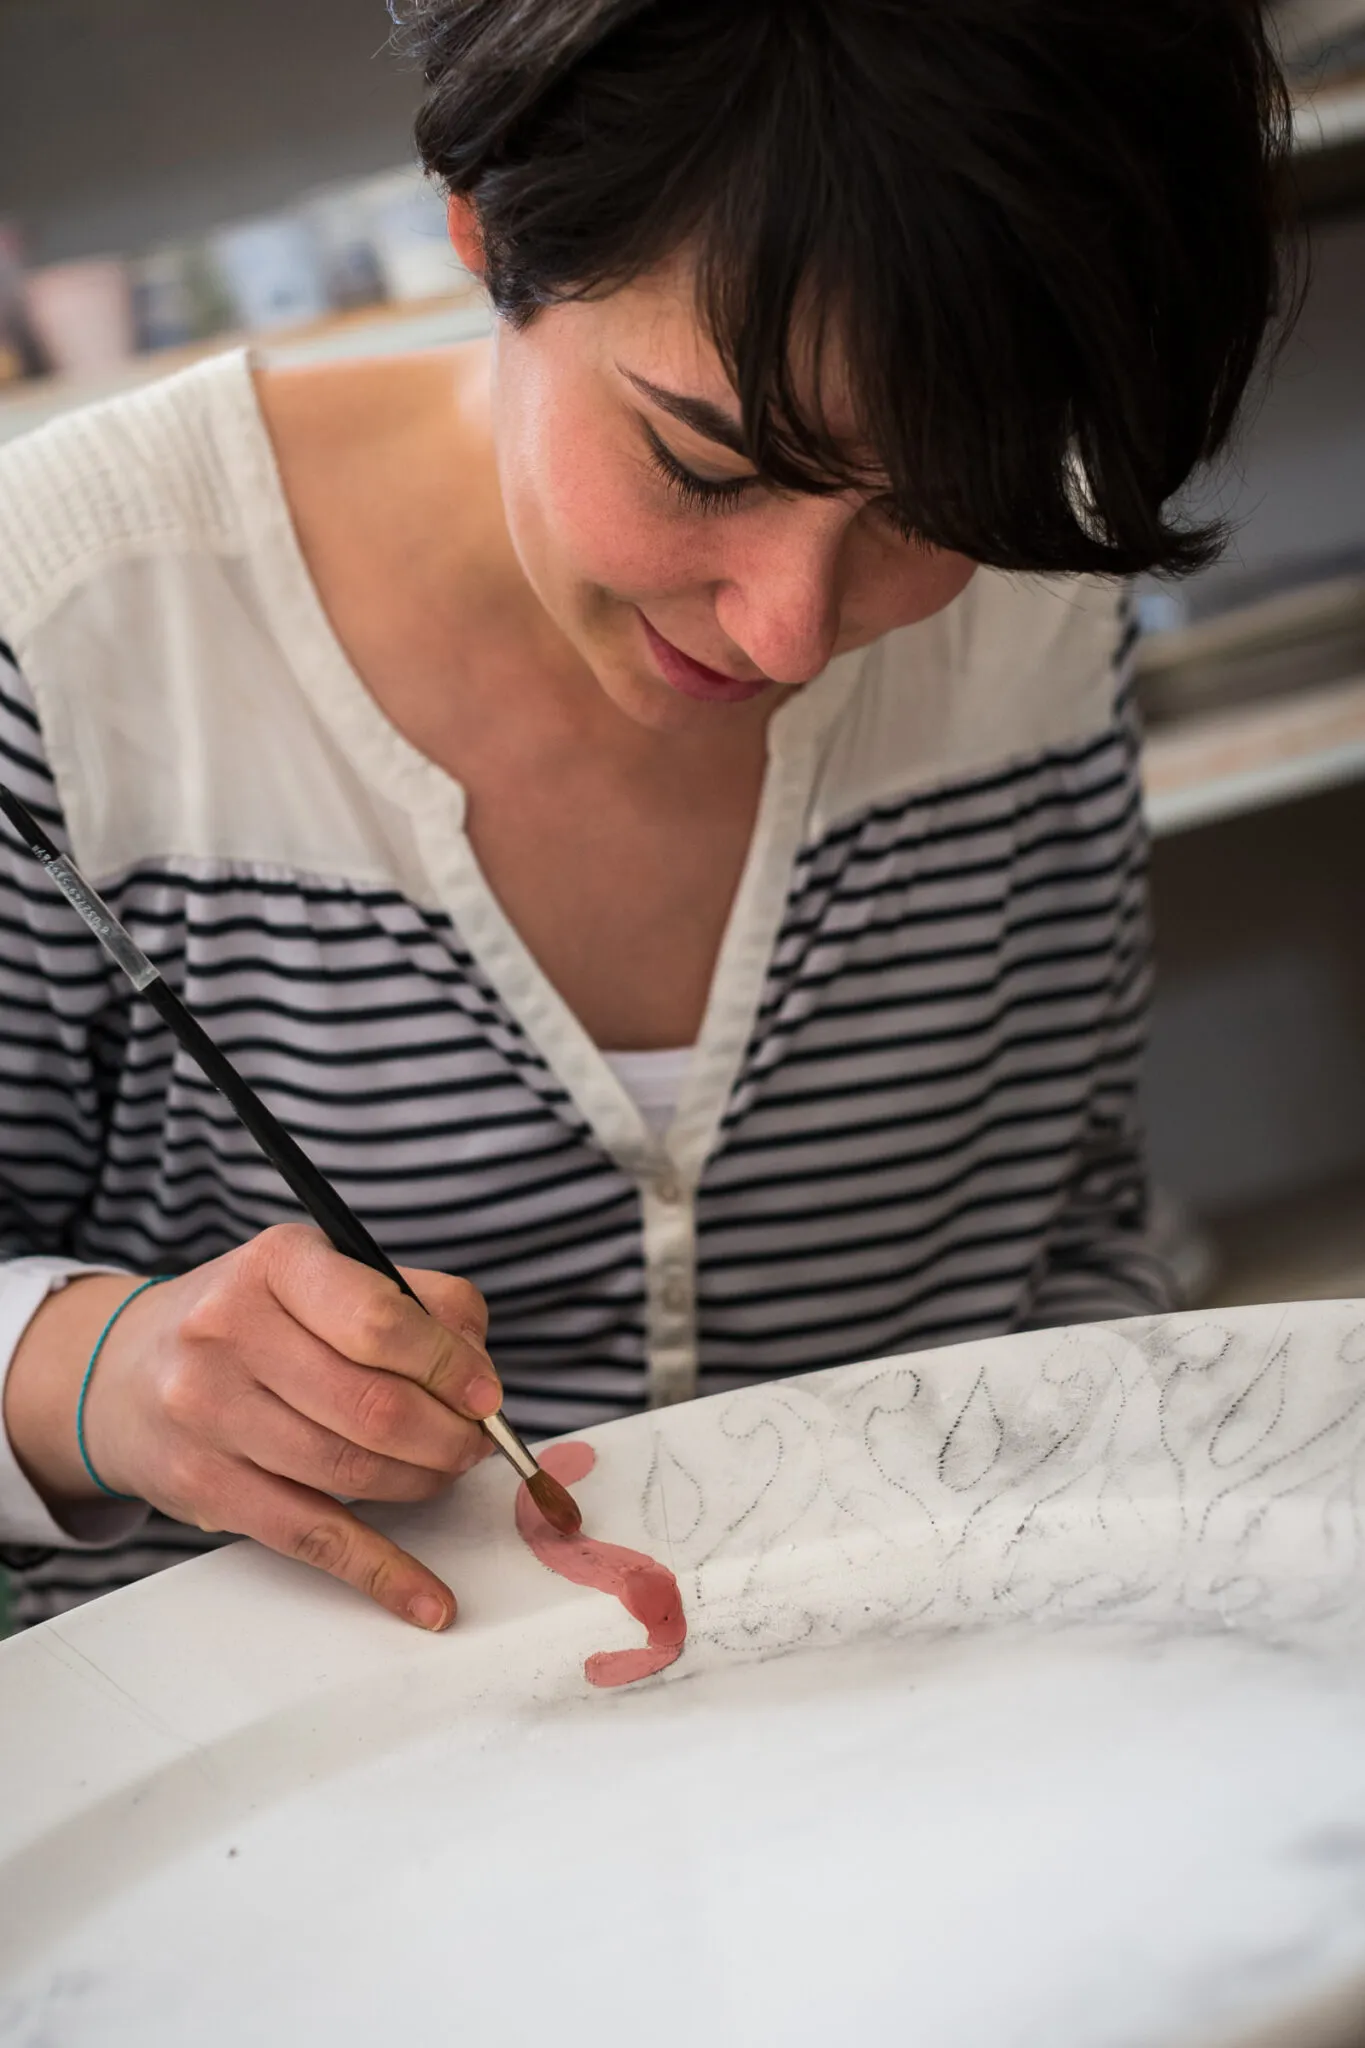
x=107, y=1491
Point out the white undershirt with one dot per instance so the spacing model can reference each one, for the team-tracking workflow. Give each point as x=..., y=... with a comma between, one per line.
x=653, y=1081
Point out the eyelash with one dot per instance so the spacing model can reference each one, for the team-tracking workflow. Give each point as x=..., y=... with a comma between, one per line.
x=696, y=493
x=703, y=494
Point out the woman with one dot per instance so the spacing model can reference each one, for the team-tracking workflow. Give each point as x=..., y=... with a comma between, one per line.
x=648, y=800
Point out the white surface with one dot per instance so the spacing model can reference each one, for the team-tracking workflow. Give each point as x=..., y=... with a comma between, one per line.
x=1024, y=1703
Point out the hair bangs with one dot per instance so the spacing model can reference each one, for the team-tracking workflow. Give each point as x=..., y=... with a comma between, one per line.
x=1006, y=265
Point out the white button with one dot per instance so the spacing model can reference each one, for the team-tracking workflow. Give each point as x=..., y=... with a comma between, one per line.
x=668, y=1189
x=674, y=1293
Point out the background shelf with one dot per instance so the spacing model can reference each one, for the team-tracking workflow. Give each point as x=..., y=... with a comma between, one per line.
x=1329, y=150
x=377, y=330
x=1248, y=758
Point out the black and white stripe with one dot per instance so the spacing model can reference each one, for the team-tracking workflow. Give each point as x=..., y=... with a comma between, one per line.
x=932, y=1135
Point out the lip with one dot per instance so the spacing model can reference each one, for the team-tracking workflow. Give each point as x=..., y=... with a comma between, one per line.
x=693, y=678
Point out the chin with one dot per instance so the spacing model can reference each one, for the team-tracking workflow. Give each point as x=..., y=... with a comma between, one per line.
x=648, y=701
x=604, y=642
x=609, y=641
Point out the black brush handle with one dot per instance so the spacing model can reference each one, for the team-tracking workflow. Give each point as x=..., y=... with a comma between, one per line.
x=314, y=1191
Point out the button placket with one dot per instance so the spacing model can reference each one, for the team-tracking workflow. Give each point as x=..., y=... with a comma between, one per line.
x=670, y=1269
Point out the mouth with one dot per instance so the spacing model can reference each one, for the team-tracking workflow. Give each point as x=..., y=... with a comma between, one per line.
x=694, y=679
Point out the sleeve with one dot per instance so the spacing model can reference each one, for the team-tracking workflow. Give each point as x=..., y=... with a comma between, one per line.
x=1100, y=1263
x=55, y=991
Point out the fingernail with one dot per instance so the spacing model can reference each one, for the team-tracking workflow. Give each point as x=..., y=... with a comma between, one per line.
x=428, y=1612
x=484, y=1395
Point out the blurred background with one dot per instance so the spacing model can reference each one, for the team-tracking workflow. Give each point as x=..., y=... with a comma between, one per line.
x=173, y=177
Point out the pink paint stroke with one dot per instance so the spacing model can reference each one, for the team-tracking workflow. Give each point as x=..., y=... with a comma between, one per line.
x=645, y=1588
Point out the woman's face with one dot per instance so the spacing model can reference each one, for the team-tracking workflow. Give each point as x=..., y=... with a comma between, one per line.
x=687, y=586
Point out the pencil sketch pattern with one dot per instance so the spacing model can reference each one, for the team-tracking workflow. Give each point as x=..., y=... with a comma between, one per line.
x=1170, y=1847
x=1198, y=1471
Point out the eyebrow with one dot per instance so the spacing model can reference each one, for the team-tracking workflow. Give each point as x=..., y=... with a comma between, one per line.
x=712, y=422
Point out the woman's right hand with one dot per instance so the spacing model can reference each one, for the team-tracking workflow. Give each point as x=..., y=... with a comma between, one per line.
x=246, y=1394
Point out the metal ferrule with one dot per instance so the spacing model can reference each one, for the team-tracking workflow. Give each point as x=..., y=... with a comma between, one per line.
x=100, y=919
x=511, y=1445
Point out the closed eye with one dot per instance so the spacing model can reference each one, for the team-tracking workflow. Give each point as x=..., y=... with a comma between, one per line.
x=697, y=493
x=726, y=494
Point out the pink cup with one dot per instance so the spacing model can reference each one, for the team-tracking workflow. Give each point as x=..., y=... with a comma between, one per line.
x=82, y=314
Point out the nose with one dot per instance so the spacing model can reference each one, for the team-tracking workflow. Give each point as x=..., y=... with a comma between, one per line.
x=781, y=598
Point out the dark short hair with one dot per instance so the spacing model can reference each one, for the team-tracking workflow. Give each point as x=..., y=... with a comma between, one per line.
x=1044, y=233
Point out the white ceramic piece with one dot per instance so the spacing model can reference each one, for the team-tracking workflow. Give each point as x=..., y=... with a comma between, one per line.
x=1023, y=1702
x=272, y=269
x=82, y=313
x=408, y=225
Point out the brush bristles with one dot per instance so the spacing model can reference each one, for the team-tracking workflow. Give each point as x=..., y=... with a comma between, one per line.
x=558, y=1506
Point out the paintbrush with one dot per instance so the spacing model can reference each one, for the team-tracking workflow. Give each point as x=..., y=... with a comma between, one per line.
x=313, y=1190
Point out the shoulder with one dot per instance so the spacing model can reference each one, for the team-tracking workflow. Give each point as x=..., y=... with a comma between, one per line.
x=146, y=580
x=1015, y=667
x=155, y=470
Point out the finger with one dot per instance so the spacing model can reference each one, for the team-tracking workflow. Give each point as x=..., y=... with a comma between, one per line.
x=365, y=1317
x=456, y=1303
x=380, y=1411
x=298, y=1522
x=278, y=1439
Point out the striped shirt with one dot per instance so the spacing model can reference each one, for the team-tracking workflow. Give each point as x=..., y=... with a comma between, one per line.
x=910, y=1118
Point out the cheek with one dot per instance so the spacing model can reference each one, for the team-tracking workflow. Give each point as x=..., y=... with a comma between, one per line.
x=899, y=586
x=589, y=513
x=611, y=530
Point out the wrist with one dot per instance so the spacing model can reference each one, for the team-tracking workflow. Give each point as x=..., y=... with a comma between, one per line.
x=43, y=1386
